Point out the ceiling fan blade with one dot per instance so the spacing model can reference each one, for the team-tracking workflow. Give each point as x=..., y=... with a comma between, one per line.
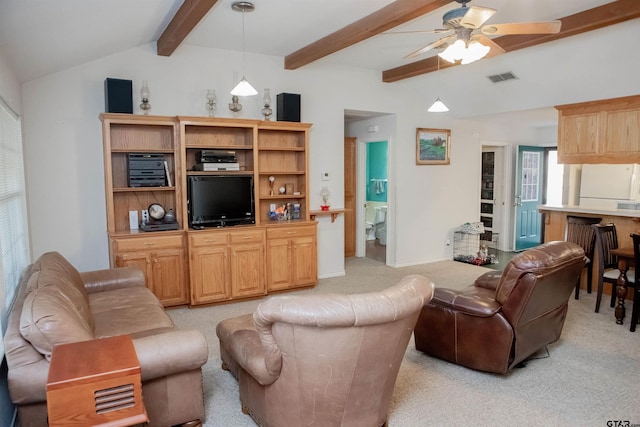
x=548, y=27
x=433, y=45
x=434, y=31
x=495, y=48
x=476, y=16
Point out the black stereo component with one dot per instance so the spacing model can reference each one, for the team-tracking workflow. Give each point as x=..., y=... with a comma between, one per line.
x=288, y=107
x=216, y=156
x=146, y=170
x=117, y=96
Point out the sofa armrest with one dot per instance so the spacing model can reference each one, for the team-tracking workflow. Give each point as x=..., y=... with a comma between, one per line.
x=28, y=383
x=170, y=352
x=112, y=278
x=471, y=304
x=488, y=280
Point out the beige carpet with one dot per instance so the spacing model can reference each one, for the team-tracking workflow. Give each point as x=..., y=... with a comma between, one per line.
x=591, y=375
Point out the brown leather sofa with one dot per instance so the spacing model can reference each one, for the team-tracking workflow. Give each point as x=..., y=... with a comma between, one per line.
x=56, y=305
x=322, y=360
x=503, y=318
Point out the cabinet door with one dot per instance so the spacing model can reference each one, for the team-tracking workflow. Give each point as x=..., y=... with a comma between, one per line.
x=279, y=261
x=247, y=270
x=304, y=251
x=210, y=274
x=140, y=260
x=169, y=283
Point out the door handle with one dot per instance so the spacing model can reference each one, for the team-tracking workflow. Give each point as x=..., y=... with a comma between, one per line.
x=517, y=201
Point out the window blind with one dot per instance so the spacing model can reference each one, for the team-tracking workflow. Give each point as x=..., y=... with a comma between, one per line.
x=14, y=233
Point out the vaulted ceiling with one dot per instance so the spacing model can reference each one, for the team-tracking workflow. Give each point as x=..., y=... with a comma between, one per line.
x=39, y=37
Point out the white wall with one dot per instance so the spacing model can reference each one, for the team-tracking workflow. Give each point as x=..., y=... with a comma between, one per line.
x=64, y=143
x=10, y=90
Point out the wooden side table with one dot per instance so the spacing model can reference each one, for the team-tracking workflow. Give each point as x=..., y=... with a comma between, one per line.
x=95, y=383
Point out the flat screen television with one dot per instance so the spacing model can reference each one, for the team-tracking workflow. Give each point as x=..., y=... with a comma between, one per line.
x=220, y=200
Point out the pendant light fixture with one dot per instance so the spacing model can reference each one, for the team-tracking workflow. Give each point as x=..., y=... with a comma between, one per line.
x=438, y=106
x=243, y=88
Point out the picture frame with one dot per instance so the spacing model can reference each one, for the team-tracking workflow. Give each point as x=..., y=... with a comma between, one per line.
x=433, y=146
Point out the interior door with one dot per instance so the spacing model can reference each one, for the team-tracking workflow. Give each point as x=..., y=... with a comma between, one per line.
x=528, y=195
x=350, y=197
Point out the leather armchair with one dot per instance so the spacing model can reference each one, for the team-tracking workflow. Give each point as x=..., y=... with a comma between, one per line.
x=503, y=318
x=325, y=360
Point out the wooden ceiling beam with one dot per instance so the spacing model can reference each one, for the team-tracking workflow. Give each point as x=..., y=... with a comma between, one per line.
x=589, y=20
x=185, y=20
x=390, y=16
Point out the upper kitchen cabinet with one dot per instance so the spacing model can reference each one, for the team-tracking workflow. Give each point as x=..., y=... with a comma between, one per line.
x=606, y=131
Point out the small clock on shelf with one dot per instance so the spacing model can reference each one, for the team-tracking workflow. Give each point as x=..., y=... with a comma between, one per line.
x=159, y=219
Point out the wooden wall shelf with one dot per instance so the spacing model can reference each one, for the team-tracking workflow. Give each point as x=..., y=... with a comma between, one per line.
x=333, y=212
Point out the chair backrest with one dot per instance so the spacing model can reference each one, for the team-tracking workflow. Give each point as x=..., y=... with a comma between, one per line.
x=636, y=252
x=579, y=231
x=534, y=291
x=339, y=354
x=606, y=239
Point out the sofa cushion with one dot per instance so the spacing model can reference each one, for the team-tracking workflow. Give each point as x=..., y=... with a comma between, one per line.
x=49, y=317
x=127, y=311
x=55, y=269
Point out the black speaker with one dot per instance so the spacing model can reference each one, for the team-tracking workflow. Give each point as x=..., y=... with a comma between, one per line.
x=288, y=107
x=117, y=96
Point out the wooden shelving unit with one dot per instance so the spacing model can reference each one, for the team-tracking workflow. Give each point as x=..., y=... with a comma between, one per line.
x=240, y=262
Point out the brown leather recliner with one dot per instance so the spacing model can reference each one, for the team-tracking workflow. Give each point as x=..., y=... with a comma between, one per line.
x=503, y=318
x=322, y=360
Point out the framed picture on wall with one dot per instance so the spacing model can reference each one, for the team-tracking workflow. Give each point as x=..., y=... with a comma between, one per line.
x=432, y=146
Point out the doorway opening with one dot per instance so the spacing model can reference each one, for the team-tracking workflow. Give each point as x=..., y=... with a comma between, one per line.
x=376, y=201
x=368, y=191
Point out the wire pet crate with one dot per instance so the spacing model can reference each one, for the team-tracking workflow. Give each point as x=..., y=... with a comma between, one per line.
x=467, y=247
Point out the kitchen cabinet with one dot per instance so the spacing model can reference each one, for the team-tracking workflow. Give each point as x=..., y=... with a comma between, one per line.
x=161, y=258
x=291, y=257
x=605, y=131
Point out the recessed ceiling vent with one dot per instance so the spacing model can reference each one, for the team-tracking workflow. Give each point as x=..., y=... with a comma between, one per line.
x=496, y=78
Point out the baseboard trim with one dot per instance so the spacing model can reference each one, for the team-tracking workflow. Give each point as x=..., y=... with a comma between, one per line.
x=335, y=274
x=413, y=263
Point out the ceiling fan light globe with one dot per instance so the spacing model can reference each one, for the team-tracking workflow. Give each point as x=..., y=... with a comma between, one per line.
x=244, y=88
x=475, y=51
x=454, y=52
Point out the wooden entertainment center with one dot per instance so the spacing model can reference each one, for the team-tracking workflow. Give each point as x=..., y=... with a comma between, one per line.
x=212, y=265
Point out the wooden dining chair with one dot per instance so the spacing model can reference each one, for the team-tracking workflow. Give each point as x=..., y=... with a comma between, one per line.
x=635, y=312
x=607, y=270
x=578, y=230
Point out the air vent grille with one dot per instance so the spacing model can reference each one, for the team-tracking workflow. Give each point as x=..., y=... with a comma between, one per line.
x=114, y=399
x=496, y=78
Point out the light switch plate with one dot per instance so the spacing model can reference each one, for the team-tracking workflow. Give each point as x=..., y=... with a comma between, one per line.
x=325, y=176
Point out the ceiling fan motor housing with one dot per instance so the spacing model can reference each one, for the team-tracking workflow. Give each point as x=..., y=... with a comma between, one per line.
x=452, y=18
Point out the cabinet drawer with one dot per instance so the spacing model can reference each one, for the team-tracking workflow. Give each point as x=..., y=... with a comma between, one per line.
x=145, y=243
x=288, y=232
x=256, y=236
x=208, y=239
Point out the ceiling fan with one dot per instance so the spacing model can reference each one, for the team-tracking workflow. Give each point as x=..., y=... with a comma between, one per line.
x=469, y=41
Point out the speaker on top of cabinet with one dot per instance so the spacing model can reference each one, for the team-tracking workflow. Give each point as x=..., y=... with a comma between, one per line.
x=118, y=96
x=288, y=107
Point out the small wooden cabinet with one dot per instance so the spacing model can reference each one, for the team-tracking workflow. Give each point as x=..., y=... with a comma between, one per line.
x=163, y=260
x=226, y=265
x=95, y=383
x=606, y=131
x=291, y=257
